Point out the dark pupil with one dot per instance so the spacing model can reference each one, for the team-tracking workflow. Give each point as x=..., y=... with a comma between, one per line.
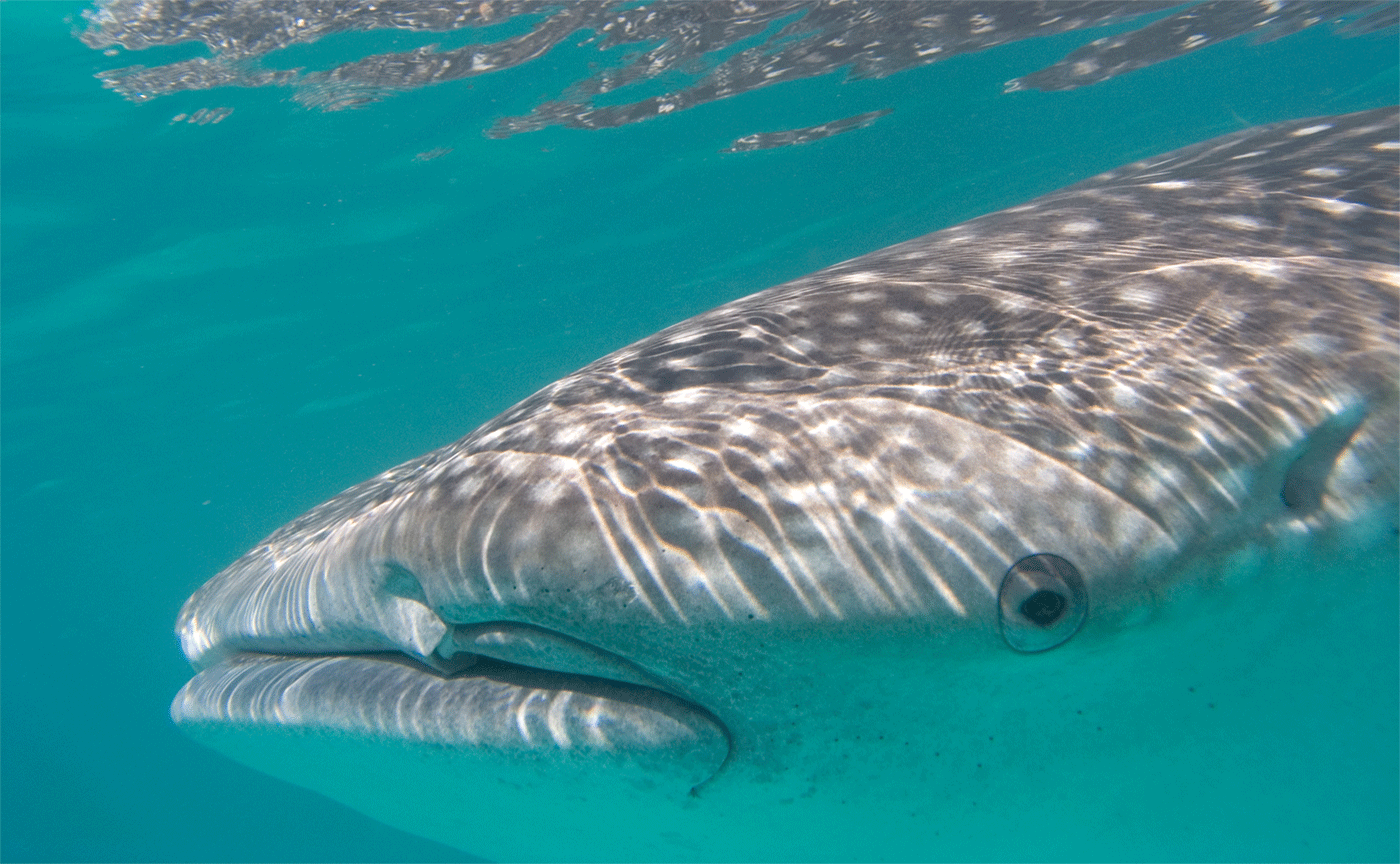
x=1043, y=608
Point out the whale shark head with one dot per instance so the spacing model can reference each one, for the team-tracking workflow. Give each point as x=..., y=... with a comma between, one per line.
x=922, y=555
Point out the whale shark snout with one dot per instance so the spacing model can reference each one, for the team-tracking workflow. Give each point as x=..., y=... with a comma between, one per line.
x=836, y=570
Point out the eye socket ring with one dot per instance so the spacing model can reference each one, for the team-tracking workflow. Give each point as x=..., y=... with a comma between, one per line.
x=1042, y=603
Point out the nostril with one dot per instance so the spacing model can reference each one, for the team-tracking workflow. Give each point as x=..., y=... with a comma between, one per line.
x=1306, y=479
x=405, y=617
x=400, y=582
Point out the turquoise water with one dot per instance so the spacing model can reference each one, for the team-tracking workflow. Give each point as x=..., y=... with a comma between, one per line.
x=208, y=329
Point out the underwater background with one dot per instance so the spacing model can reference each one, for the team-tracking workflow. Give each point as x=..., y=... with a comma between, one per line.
x=209, y=328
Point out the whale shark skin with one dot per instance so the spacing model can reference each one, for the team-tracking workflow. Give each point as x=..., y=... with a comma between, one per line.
x=1066, y=532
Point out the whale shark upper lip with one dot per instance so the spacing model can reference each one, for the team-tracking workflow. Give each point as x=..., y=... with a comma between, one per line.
x=258, y=624
x=532, y=646
x=476, y=647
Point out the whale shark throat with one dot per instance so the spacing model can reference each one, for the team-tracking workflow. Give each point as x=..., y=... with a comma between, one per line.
x=1066, y=532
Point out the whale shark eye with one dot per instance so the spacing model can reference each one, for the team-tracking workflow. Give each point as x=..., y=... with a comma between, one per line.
x=1042, y=602
x=1044, y=608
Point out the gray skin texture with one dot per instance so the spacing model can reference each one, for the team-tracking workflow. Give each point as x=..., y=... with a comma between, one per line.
x=732, y=591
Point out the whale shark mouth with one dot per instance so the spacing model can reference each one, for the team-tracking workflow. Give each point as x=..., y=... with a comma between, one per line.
x=468, y=698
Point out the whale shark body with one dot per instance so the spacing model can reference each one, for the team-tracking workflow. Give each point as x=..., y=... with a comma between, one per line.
x=1057, y=533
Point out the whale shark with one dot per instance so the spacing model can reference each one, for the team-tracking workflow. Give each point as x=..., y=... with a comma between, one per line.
x=1059, y=533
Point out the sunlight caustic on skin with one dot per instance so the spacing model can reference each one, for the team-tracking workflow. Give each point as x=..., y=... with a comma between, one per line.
x=809, y=614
